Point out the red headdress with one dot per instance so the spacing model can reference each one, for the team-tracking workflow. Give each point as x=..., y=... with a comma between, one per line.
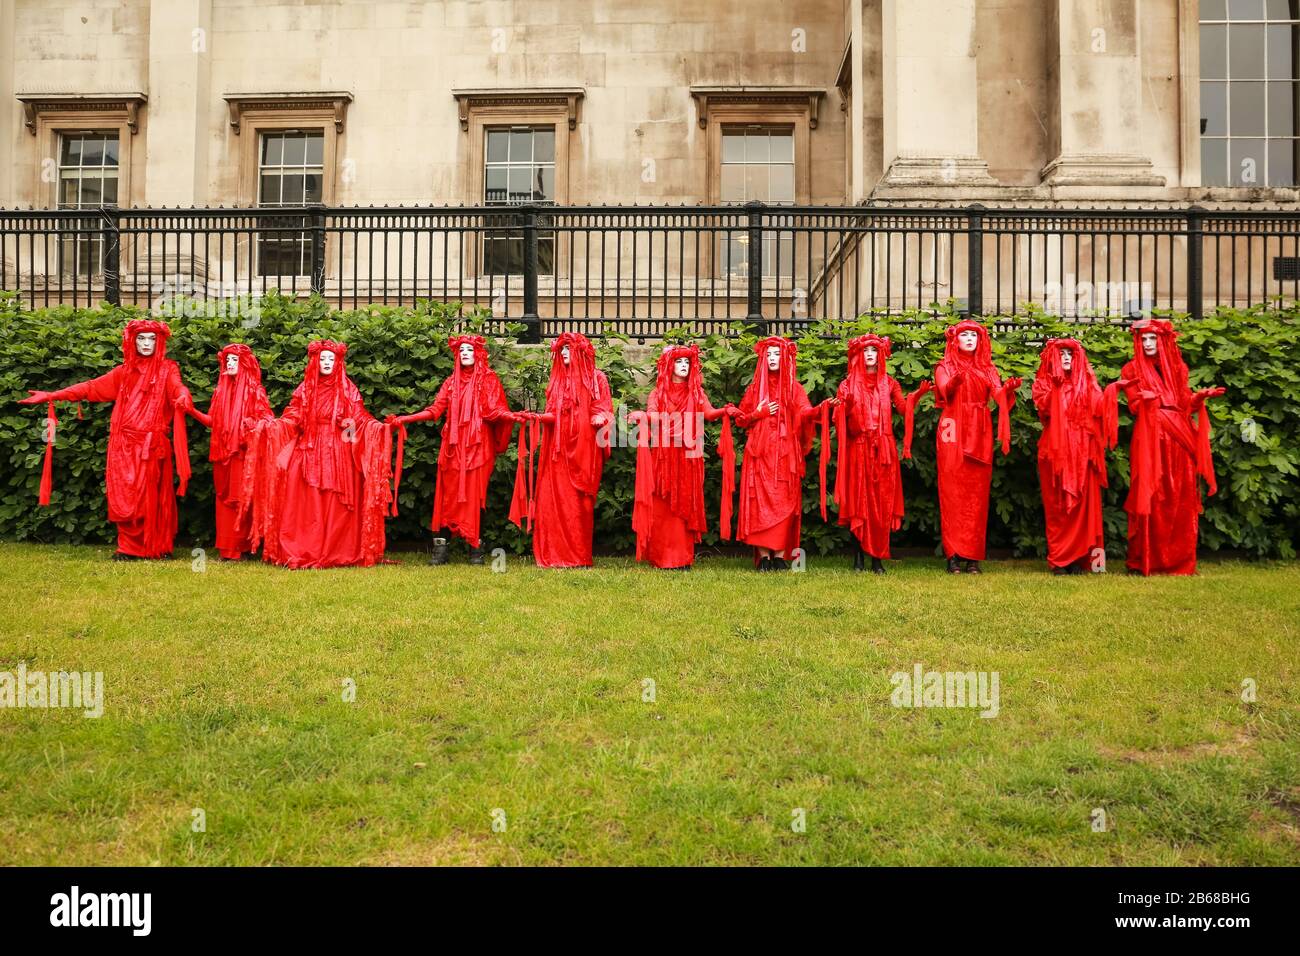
x=464, y=406
x=977, y=365
x=1071, y=400
x=236, y=397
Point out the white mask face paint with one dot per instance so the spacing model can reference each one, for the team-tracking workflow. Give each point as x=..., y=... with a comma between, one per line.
x=326, y=362
x=146, y=343
x=232, y=363
x=1149, y=344
x=466, y=354
x=968, y=340
x=682, y=368
x=1067, y=359
x=871, y=356
x=773, y=358
x=564, y=355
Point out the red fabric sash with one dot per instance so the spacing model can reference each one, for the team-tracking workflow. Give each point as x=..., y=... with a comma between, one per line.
x=824, y=424
x=181, y=449
x=397, y=469
x=47, y=468
x=727, y=451
x=523, y=503
x=642, y=507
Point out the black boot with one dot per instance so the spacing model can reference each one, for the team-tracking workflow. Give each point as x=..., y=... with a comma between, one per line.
x=953, y=567
x=860, y=560
x=972, y=567
x=1077, y=567
x=765, y=564
x=475, y=555
x=1058, y=572
x=778, y=564
x=119, y=556
x=877, y=566
x=439, y=555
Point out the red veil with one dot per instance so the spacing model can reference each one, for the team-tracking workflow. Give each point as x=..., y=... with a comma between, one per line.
x=1078, y=400
x=236, y=398
x=976, y=366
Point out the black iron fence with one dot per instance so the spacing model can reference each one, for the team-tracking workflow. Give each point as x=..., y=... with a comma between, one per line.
x=644, y=270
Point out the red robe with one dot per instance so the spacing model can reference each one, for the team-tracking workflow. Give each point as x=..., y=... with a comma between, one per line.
x=668, y=514
x=964, y=384
x=148, y=403
x=478, y=426
x=236, y=400
x=1171, y=448
x=770, y=512
x=868, y=479
x=1078, y=425
x=561, y=508
x=333, y=487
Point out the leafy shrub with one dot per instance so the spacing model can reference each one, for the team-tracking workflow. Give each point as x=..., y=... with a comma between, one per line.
x=398, y=356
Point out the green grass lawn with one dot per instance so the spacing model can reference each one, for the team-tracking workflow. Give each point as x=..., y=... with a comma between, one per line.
x=524, y=692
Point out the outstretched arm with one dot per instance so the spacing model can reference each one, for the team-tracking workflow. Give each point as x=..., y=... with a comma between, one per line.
x=101, y=389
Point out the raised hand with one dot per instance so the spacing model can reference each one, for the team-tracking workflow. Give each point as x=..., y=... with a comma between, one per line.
x=35, y=398
x=773, y=408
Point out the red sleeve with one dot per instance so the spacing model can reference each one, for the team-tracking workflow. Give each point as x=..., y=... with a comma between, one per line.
x=946, y=383
x=102, y=389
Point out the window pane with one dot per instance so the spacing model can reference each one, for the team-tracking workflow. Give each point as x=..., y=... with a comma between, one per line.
x=1281, y=59
x=733, y=183
x=1246, y=51
x=269, y=192
x=1245, y=9
x=1246, y=162
x=733, y=147
x=110, y=151
x=497, y=140
x=1214, y=109
x=272, y=149
x=1247, y=109
x=68, y=189
x=496, y=184
x=1282, y=109
x=1277, y=9
x=92, y=151
x=110, y=188
x=314, y=187
x=544, y=146
x=90, y=188
x=547, y=193
x=756, y=183
x=1214, y=162
x=1214, y=56
x=521, y=146
x=782, y=184
x=1213, y=9
x=71, y=151
x=782, y=147
x=315, y=143
x=294, y=149
x=293, y=190
x=756, y=147
x=1282, y=161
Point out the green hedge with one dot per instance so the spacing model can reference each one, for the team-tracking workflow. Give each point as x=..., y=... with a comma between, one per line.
x=398, y=356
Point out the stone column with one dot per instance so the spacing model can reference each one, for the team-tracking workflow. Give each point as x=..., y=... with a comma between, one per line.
x=180, y=38
x=1094, y=67
x=931, y=128
x=13, y=123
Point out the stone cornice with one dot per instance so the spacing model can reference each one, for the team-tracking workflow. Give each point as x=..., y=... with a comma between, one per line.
x=522, y=98
x=337, y=102
x=808, y=97
x=124, y=103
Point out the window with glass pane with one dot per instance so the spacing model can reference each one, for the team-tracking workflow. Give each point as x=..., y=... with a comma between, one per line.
x=1250, y=110
x=290, y=172
x=518, y=168
x=757, y=164
x=88, y=171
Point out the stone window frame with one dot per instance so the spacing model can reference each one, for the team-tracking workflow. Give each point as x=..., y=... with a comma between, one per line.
x=48, y=116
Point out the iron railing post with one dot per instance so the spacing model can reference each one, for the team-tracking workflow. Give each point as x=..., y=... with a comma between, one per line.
x=111, y=231
x=318, y=249
x=533, y=333
x=1195, y=262
x=755, y=267
x=974, y=260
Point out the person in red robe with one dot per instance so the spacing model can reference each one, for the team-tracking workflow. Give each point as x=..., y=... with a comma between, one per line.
x=331, y=462
x=868, y=477
x=478, y=427
x=238, y=401
x=668, y=510
x=1079, y=424
x=965, y=380
x=1171, y=448
x=148, y=402
x=559, y=501
x=779, y=419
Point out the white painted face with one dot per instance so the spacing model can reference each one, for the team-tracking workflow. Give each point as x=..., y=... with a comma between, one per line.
x=773, y=358
x=1067, y=359
x=467, y=354
x=871, y=355
x=682, y=368
x=968, y=340
x=327, y=362
x=146, y=343
x=1149, y=346
x=564, y=354
x=232, y=363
